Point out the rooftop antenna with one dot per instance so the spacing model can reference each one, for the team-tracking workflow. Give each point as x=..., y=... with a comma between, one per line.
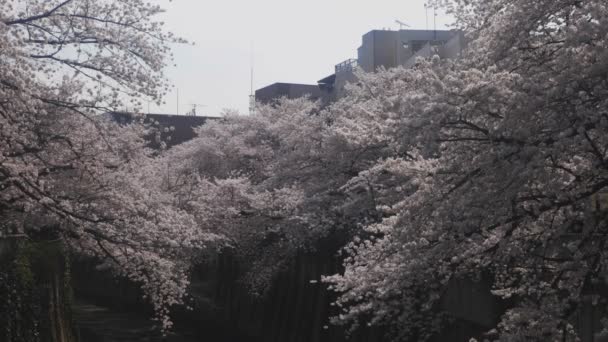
x=401, y=24
x=193, y=111
x=251, y=93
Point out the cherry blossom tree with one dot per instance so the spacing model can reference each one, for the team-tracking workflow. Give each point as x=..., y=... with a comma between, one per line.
x=483, y=167
x=254, y=179
x=66, y=171
x=498, y=159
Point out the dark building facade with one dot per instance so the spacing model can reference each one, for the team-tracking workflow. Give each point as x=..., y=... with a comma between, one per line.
x=275, y=91
x=172, y=129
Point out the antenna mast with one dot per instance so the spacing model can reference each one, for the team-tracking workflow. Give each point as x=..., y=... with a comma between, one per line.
x=435, y=22
x=251, y=93
x=193, y=111
x=426, y=13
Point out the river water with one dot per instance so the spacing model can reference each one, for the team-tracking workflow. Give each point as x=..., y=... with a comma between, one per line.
x=98, y=324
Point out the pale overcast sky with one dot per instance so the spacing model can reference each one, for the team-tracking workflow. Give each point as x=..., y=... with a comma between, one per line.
x=293, y=41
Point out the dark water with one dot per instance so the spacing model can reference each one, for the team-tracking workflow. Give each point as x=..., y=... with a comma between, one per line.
x=98, y=324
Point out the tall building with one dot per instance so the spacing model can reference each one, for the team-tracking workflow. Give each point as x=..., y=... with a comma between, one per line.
x=379, y=49
x=389, y=49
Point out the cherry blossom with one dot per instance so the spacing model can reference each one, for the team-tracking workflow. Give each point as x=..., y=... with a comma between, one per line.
x=66, y=171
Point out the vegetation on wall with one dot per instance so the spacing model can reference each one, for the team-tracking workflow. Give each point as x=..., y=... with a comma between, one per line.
x=35, y=292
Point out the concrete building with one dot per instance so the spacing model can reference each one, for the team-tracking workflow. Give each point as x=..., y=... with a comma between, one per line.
x=379, y=49
x=389, y=49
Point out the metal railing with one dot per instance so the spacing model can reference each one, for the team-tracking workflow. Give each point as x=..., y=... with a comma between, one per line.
x=346, y=66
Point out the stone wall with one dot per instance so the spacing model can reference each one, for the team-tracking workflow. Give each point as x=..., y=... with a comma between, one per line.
x=293, y=309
